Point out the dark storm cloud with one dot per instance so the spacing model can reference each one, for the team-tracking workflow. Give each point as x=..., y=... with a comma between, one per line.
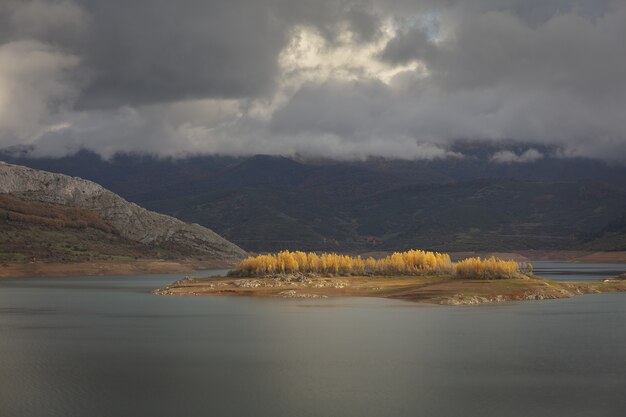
x=160, y=50
x=567, y=53
x=407, y=46
x=145, y=51
x=339, y=78
x=556, y=76
x=364, y=23
x=345, y=109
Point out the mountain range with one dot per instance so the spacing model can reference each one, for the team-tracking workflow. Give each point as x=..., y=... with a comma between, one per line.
x=467, y=203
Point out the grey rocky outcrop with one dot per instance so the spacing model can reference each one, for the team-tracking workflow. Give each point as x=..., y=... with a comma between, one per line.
x=127, y=219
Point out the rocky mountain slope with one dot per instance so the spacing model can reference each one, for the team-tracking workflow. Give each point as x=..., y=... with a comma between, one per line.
x=37, y=203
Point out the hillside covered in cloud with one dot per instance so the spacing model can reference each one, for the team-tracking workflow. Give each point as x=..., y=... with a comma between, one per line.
x=341, y=79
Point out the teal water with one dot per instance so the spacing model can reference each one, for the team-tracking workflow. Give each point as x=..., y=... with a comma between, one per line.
x=106, y=347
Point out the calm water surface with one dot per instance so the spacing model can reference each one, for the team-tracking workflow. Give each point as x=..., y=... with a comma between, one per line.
x=107, y=347
x=565, y=271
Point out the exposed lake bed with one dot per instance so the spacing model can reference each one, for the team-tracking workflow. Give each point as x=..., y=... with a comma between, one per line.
x=432, y=289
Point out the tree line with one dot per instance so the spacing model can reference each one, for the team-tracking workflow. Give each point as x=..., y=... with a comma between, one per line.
x=411, y=262
x=490, y=268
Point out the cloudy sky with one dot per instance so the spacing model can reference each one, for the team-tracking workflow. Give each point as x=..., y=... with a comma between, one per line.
x=339, y=78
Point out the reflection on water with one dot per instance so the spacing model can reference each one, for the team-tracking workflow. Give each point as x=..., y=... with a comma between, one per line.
x=107, y=347
x=566, y=271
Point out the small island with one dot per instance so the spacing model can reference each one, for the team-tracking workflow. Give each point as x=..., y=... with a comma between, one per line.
x=415, y=275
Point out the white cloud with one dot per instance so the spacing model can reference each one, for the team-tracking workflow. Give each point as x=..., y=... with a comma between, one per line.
x=36, y=80
x=508, y=157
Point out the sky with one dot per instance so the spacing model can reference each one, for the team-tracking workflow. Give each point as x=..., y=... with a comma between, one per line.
x=343, y=79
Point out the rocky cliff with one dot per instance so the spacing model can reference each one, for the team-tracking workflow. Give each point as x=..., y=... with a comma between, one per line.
x=126, y=219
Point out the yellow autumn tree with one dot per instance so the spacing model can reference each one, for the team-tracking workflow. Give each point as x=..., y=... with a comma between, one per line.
x=370, y=264
x=491, y=268
x=413, y=262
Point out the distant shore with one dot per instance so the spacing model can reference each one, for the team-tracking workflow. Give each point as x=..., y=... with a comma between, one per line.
x=433, y=289
x=575, y=256
x=140, y=266
x=609, y=257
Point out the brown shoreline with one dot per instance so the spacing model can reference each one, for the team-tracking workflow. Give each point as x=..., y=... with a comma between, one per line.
x=141, y=266
x=438, y=289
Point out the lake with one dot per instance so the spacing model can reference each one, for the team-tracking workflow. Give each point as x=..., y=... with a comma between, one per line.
x=566, y=271
x=106, y=347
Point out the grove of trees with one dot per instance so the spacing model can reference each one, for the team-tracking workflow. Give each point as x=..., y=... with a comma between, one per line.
x=412, y=262
x=491, y=268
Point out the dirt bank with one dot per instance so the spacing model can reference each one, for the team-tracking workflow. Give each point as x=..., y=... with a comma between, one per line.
x=143, y=266
x=427, y=289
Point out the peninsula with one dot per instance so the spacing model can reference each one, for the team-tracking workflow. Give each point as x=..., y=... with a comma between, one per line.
x=413, y=275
